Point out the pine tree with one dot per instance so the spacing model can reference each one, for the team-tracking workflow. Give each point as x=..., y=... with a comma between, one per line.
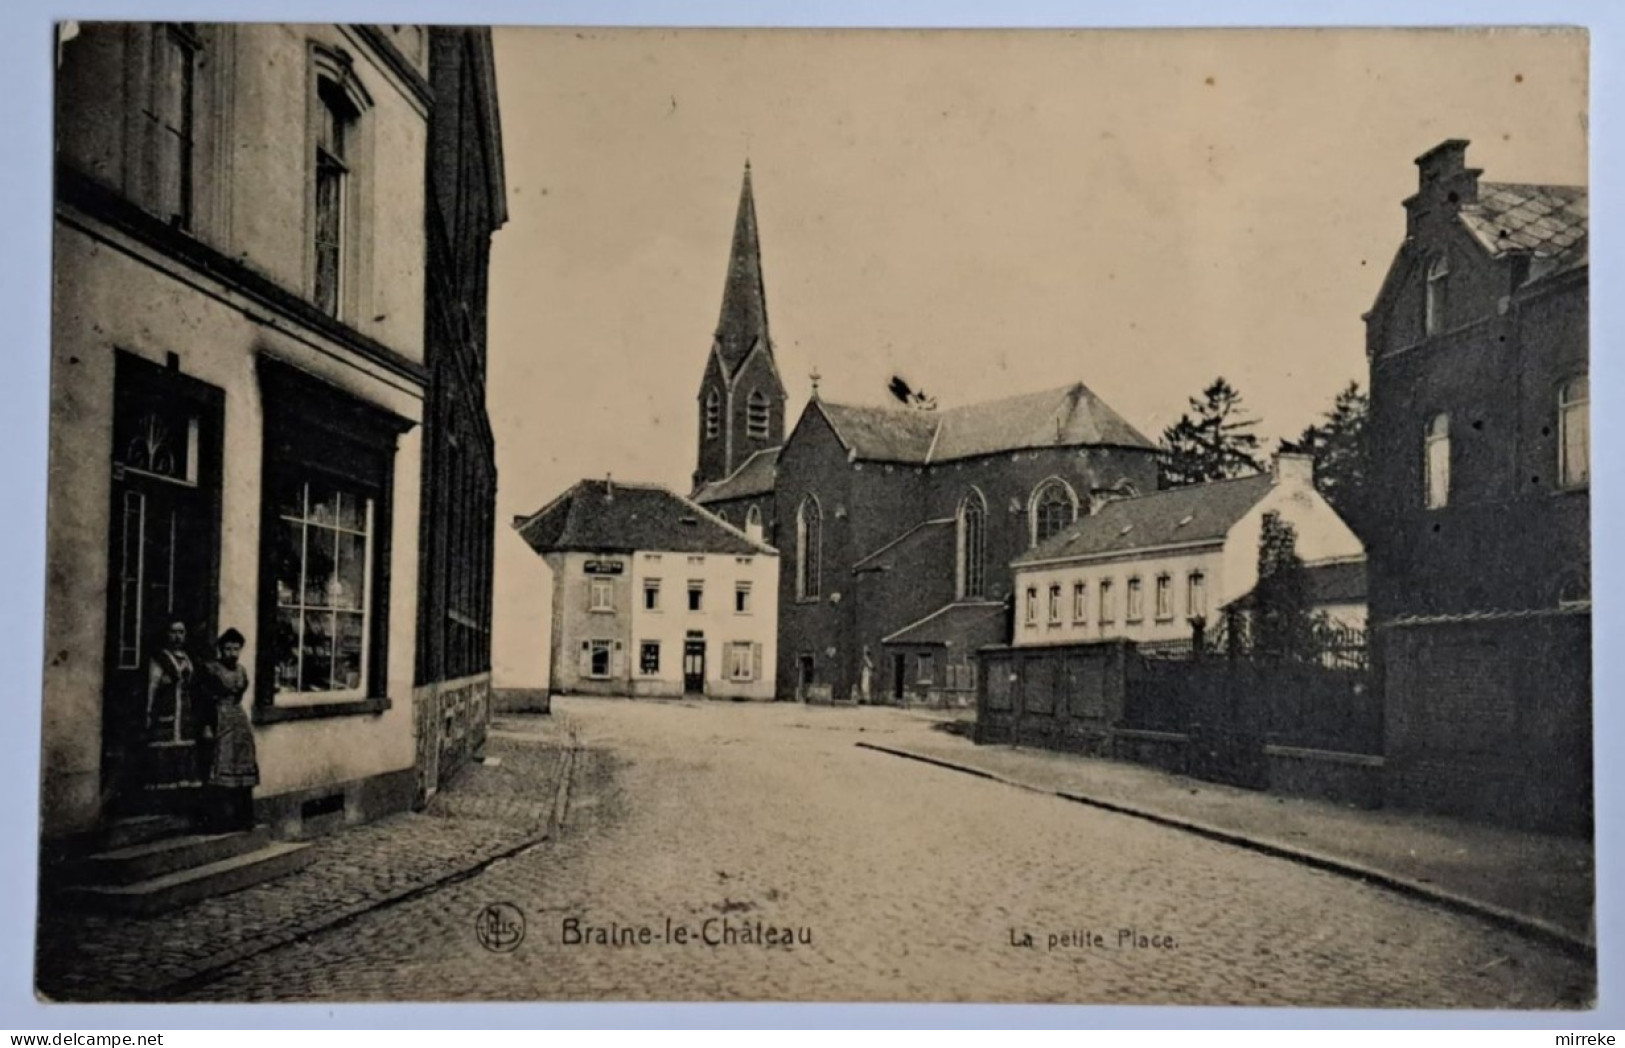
x=1342, y=455
x=1213, y=441
x=1284, y=624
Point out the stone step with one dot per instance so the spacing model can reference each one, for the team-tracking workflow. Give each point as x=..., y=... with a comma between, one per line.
x=183, y=887
x=140, y=829
x=149, y=859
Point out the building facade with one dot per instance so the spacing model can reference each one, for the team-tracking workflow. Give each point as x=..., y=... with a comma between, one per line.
x=1480, y=551
x=653, y=596
x=466, y=205
x=239, y=377
x=1147, y=568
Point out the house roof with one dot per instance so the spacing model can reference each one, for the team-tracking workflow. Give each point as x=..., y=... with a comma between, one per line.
x=1192, y=514
x=1551, y=223
x=603, y=515
x=755, y=476
x=1329, y=582
x=967, y=624
x=1069, y=416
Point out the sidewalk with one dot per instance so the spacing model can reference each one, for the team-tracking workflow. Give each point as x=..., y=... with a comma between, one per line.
x=1542, y=885
x=490, y=811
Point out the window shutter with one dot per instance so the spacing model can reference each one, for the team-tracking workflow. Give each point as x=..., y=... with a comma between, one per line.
x=585, y=669
x=756, y=661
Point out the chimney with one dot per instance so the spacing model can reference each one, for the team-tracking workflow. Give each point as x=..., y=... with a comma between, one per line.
x=1293, y=469
x=609, y=487
x=1444, y=182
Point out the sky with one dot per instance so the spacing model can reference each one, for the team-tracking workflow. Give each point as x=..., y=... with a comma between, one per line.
x=983, y=212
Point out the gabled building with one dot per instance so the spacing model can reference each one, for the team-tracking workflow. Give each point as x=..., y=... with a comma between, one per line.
x=1147, y=568
x=654, y=596
x=1480, y=549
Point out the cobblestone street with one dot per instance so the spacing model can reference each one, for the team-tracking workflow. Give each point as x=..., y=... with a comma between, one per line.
x=912, y=883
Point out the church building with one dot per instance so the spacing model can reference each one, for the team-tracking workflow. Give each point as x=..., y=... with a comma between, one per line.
x=893, y=522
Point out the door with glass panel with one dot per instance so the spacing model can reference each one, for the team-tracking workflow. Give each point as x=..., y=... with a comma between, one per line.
x=162, y=563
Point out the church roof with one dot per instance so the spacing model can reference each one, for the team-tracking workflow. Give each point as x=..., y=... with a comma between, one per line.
x=743, y=322
x=1179, y=516
x=966, y=624
x=1070, y=416
x=1550, y=223
x=606, y=515
x=755, y=476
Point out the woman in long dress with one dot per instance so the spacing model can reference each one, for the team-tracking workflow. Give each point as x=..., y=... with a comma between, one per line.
x=232, y=770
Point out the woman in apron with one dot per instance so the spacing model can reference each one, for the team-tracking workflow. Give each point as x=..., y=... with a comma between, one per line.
x=232, y=768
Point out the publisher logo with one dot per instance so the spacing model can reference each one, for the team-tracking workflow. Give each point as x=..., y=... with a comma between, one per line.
x=500, y=927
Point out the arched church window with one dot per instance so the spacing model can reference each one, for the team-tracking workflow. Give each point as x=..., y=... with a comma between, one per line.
x=809, y=549
x=1054, y=506
x=973, y=545
x=757, y=415
x=713, y=414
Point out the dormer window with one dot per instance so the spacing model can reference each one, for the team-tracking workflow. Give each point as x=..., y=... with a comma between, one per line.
x=1438, y=276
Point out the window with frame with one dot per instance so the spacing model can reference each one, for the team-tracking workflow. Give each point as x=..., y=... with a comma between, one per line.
x=925, y=668
x=171, y=115
x=1055, y=603
x=1054, y=507
x=742, y=598
x=1165, y=598
x=1080, y=601
x=649, y=658
x=1438, y=277
x=1136, y=601
x=651, y=594
x=1032, y=605
x=1108, y=602
x=809, y=549
x=741, y=660
x=601, y=594
x=713, y=414
x=758, y=415
x=1574, y=432
x=336, y=118
x=1196, y=595
x=599, y=658
x=1436, y=462
x=328, y=472
x=972, y=546
x=753, y=521
x=696, y=595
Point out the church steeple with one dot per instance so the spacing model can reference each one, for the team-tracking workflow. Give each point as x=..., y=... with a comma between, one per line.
x=743, y=322
x=741, y=399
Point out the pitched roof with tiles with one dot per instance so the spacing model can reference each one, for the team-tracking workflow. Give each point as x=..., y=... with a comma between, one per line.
x=1070, y=416
x=1551, y=223
x=603, y=515
x=1329, y=582
x=755, y=476
x=1192, y=514
x=967, y=624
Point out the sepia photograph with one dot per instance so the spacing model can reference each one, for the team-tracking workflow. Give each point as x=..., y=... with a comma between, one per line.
x=1055, y=516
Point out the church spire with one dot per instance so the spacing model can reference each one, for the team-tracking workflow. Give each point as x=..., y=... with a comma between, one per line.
x=744, y=302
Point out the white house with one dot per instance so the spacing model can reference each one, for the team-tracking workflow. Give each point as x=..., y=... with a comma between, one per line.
x=653, y=595
x=1144, y=568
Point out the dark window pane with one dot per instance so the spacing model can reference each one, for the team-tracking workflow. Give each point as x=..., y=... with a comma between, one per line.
x=318, y=651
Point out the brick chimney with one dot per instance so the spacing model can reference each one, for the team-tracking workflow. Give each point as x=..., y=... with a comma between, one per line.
x=1444, y=183
x=1293, y=469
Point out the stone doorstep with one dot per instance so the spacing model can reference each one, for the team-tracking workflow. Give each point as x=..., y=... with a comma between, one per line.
x=179, y=888
x=156, y=858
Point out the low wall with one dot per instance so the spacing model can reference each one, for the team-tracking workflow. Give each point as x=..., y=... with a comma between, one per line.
x=1347, y=778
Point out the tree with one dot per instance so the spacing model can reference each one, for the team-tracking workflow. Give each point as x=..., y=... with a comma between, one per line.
x=1342, y=454
x=1283, y=623
x=1213, y=441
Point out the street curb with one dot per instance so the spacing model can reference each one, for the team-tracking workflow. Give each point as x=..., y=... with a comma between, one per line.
x=1532, y=927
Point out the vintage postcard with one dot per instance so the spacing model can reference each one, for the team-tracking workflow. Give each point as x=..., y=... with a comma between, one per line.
x=700, y=515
